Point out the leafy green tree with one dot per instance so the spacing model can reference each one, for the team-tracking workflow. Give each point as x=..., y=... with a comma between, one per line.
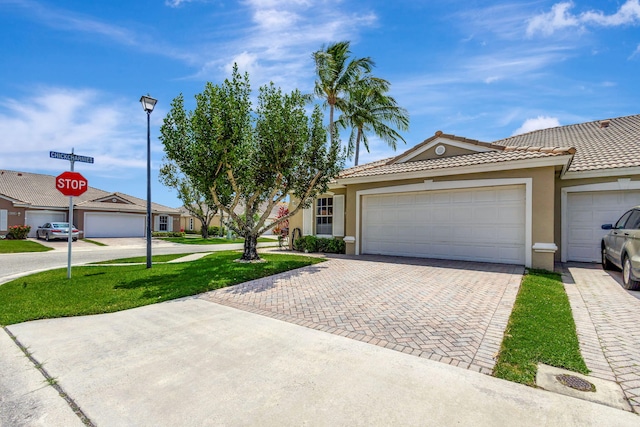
x=336, y=75
x=258, y=156
x=368, y=109
x=197, y=201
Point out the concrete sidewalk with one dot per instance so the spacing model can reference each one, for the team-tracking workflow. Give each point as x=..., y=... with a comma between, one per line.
x=191, y=362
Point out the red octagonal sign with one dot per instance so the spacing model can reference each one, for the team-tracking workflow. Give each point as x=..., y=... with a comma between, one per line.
x=71, y=183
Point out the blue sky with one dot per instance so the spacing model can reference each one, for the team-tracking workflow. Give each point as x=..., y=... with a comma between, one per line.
x=73, y=71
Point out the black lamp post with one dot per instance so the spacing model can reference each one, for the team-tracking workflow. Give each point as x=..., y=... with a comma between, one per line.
x=147, y=104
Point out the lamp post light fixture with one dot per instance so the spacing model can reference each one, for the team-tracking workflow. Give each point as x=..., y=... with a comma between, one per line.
x=147, y=104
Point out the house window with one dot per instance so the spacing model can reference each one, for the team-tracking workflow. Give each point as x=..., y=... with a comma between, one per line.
x=164, y=221
x=190, y=223
x=324, y=216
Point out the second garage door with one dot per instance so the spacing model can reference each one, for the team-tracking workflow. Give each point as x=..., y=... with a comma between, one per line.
x=102, y=224
x=480, y=224
x=586, y=212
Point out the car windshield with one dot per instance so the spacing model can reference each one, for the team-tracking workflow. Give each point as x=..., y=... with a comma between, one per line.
x=60, y=225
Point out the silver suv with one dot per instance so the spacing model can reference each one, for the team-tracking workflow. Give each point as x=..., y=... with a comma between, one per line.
x=621, y=248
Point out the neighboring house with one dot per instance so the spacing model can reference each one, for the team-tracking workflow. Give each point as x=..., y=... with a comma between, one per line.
x=530, y=199
x=32, y=199
x=190, y=222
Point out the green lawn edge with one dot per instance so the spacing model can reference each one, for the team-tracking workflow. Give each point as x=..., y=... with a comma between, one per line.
x=541, y=329
x=211, y=240
x=8, y=246
x=141, y=259
x=106, y=289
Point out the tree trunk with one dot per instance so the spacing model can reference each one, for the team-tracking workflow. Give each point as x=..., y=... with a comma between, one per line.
x=204, y=230
x=250, y=248
x=358, y=138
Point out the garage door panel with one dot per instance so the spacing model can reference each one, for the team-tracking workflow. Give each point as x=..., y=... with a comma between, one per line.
x=35, y=219
x=111, y=224
x=586, y=212
x=485, y=196
x=486, y=224
x=462, y=197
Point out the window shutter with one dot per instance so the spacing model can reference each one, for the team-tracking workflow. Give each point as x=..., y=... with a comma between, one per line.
x=169, y=223
x=156, y=223
x=3, y=220
x=307, y=221
x=338, y=215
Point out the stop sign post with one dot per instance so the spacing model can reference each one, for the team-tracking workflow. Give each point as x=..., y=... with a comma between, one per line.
x=71, y=184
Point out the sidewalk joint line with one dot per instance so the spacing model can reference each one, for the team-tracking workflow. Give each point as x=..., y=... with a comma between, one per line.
x=51, y=381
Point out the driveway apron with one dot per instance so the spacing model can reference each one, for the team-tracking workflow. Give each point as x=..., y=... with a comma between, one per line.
x=449, y=311
x=607, y=319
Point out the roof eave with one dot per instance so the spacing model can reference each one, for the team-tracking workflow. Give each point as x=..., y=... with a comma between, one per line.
x=601, y=173
x=558, y=160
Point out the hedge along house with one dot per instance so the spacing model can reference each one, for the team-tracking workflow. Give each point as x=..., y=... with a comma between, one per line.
x=32, y=199
x=531, y=199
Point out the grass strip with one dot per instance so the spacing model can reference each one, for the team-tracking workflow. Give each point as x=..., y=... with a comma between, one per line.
x=142, y=259
x=8, y=246
x=94, y=242
x=210, y=240
x=540, y=330
x=105, y=289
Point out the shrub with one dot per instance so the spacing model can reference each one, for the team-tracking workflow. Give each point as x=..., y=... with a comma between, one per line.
x=190, y=232
x=319, y=244
x=167, y=234
x=18, y=232
x=214, y=230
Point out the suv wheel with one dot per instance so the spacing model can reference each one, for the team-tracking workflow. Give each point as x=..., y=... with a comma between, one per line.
x=606, y=264
x=627, y=282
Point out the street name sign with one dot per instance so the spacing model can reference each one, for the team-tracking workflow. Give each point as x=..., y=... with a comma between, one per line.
x=70, y=156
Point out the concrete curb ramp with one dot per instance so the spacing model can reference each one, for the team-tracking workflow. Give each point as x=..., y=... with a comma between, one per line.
x=191, y=362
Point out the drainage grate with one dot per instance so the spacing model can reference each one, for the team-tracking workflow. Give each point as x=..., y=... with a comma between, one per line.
x=575, y=382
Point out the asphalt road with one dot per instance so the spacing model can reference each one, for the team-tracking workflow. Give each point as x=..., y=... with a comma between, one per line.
x=13, y=266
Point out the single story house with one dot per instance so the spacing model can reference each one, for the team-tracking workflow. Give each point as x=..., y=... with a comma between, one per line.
x=32, y=199
x=191, y=223
x=531, y=199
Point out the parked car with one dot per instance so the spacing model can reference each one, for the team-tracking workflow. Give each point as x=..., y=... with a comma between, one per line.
x=621, y=248
x=56, y=230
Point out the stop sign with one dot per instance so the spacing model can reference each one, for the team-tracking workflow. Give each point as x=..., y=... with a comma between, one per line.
x=71, y=183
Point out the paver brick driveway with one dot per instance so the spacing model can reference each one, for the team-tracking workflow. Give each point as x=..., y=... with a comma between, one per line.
x=449, y=311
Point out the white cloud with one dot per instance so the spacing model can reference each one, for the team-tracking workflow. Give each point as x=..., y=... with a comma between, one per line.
x=560, y=18
x=277, y=42
x=176, y=3
x=628, y=14
x=247, y=62
x=60, y=119
x=540, y=122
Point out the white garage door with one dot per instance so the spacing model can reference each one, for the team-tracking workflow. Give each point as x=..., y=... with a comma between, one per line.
x=481, y=224
x=101, y=224
x=586, y=212
x=38, y=218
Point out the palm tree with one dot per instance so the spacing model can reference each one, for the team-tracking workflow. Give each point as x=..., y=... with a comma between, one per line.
x=368, y=109
x=336, y=75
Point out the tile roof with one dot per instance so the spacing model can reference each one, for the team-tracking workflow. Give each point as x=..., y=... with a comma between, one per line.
x=39, y=190
x=502, y=154
x=601, y=144
x=598, y=145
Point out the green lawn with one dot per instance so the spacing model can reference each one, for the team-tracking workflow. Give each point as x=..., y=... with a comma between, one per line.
x=540, y=330
x=211, y=240
x=143, y=259
x=14, y=246
x=94, y=242
x=105, y=289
